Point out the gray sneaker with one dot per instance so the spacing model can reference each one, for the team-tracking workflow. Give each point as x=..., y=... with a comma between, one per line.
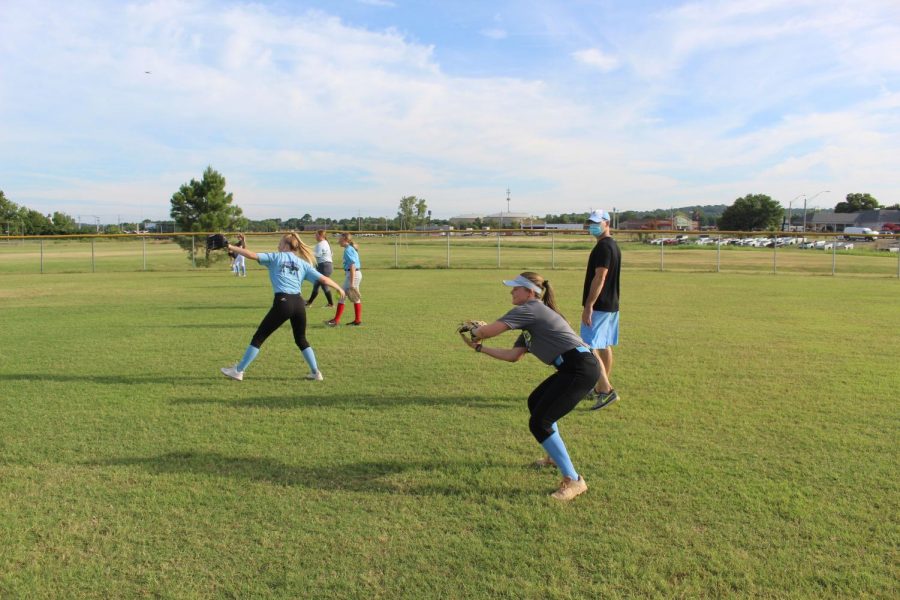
x=605, y=399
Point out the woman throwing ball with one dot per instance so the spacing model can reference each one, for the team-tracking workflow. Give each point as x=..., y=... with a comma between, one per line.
x=287, y=269
x=547, y=335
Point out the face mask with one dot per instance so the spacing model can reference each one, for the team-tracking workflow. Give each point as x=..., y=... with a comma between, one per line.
x=595, y=230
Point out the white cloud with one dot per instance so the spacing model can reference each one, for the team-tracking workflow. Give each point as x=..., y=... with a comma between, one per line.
x=495, y=33
x=593, y=57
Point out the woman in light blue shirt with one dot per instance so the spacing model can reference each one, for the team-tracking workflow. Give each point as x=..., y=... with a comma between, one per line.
x=287, y=269
x=352, y=279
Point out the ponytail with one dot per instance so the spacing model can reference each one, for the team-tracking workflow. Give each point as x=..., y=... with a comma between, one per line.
x=299, y=248
x=548, y=297
x=349, y=237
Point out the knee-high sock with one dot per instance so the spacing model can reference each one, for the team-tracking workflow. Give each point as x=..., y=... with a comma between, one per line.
x=557, y=451
x=339, y=311
x=310, y=357
x=249, y=356
x=357, y=309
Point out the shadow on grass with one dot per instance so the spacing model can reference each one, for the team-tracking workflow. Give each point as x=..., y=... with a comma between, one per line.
x=262, y=306
x=425, y=478
x=104, y=379
x=245, y=325
x=338, y=399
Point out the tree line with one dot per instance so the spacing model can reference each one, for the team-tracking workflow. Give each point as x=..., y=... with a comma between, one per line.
x=205, y=205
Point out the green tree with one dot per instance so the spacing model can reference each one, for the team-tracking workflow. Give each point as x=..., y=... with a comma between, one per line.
x=35, y=223
x=752, y=212
x=204, y=206
x=857, y=202
x=406, y=212
x=63, y=223
x=421, y=211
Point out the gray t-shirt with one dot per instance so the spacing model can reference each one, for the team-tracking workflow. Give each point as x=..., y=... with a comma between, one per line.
x=545, y=333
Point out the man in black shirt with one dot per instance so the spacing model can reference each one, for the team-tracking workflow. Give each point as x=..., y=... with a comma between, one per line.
x=600, y=299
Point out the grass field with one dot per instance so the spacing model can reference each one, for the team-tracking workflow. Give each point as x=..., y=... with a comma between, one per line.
x=753, y=453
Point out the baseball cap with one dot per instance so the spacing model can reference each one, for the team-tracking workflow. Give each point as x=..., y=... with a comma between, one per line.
x=598, y=215
x=524, y=282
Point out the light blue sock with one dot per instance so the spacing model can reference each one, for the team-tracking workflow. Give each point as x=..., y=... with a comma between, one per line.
x=557, y=451
x=554, y=427
x=249, y=356
x=310, y=357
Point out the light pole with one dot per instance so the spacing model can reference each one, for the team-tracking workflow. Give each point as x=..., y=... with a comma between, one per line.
x=507, y=206
x=790, y=212
x=805, y=200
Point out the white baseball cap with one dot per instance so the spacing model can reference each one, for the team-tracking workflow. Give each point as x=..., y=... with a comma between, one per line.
x=598, y=215
x=524, y=282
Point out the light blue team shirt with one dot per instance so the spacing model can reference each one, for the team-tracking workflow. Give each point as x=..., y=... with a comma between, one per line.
x=287, y=271
x=351, y=257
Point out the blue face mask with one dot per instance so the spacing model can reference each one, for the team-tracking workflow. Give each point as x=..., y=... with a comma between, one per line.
x=595, y=230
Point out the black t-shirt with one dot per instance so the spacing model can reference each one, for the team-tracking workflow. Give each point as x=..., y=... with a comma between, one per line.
x=605, y=254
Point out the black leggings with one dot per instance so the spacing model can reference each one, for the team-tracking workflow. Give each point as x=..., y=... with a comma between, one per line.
x=557, y=395
x=284, y=307
x=326, y=269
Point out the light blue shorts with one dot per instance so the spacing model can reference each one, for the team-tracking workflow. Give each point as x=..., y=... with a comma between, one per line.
x=603, y=332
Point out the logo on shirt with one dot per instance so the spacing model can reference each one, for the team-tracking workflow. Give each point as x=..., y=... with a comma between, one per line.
x=290, y=268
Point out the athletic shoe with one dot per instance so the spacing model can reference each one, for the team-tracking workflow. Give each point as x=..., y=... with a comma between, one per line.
x=317, y=376
x=331, y=323
x=543, y=462
x=233, y=373
x=569, y=488
x=328, y=306
x=605, y=399
x=355, y=323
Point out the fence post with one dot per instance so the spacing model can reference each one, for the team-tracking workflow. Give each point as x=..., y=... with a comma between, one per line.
x=498, y=249
x=42, y=256
x=193, y=253
x=775, y=256
x=552, y=251
x=93, y=266
x=662, y=253
x=448, y=249
x=718, y=254
x=397, y=250
x=144, y=250
x=833, y=255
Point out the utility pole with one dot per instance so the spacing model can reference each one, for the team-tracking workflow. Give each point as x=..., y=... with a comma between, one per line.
x=507, y=209
x=804, y=206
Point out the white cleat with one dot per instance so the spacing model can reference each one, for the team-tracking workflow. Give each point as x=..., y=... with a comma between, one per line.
x=233, y=373
x=317, y=376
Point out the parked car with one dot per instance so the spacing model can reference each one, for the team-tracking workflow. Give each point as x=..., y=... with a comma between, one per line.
x=859, y=233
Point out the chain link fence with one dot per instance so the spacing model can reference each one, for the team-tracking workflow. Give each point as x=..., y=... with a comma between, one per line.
x=539, y=250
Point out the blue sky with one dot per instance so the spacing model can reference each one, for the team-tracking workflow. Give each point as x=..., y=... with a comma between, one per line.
x=336, y=108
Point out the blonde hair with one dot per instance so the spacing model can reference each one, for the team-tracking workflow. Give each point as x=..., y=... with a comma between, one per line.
x=321, y=232
x=297, y=246
x=349, y=237
x=548, y=296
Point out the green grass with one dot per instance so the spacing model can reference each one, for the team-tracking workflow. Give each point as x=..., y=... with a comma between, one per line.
x=753, y=453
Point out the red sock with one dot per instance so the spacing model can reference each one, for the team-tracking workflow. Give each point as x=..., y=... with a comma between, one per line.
x=357, y=309
x=340, y=311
